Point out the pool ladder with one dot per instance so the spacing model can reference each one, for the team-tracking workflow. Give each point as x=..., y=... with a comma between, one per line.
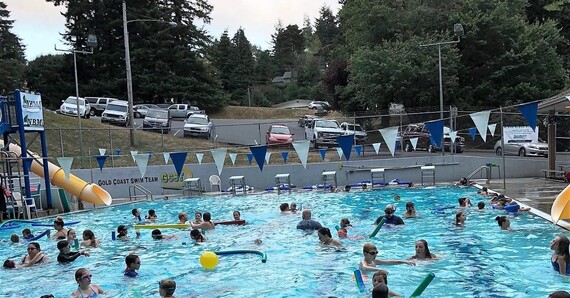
x=133, y=192
x=488, y=173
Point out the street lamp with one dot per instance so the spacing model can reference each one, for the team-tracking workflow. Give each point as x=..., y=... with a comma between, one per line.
x=128, y=67
x=91, y=43
x=458, y=32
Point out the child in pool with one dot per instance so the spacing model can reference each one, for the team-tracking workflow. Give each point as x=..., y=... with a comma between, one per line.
x=137, y=214
x=151, y=215
x=381, y=278
x=27, y=234
x=133, y=263
x=197, y=236
x=84, y=286
x=343, y=231
x=197, y=217
x=368, y=264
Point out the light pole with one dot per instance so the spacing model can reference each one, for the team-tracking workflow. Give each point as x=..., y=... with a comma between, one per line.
x=91, y=42
x=128, y=67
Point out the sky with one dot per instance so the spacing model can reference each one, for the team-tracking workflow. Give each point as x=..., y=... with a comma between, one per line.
x=39, y=23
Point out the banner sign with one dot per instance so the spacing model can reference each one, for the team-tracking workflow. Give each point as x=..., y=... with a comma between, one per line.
x=32, y=111
x=520, y=133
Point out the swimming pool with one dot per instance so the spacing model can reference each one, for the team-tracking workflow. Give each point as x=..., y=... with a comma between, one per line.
x=477, y=261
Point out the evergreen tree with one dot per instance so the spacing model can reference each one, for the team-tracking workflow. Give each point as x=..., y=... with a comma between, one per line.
x=222, y=54
x=327, y=31
x=12, y=57
x=289, y=43
x=244, y=65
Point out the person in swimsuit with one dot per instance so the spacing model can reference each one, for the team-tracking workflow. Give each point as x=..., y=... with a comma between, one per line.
x=237, y=215
x=307, y=224
x=561, y=255
x=284, y=207
x=410, y=210
x=122, y=233
x=89, y=239
x=197, y=217
x=157, y=235
x=343, y=231
x=182, y=217
x=464, y=202
x=369, y=262
x=325, y=237
x=379, y=279
x=391, y=219
x=27, y=234
x=65, y=253
x=197, y=236
x=61, y=232
x=137, y=215
x=85, y=289
x=460, y=219
x=151, y=215
x=293, y=207
x=34, y=256
x=503, y=222
x=71, y=235
x=166, y=288
x=133, y=263
x=422, y=251
x=207, y=224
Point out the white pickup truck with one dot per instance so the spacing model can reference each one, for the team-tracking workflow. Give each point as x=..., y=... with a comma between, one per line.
x=323, y=132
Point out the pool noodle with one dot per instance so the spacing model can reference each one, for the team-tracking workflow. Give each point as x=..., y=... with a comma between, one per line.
x=76, y=244
x=39, y=224
x=423, y=285
x=359, y=281
x=8, y=227
x=46, y=232
x=380, y=224
x=244, y=251
x=9, y=222
x=337, y=228
x=162, y=226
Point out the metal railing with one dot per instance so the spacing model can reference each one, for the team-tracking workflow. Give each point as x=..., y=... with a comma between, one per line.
x=133, y=192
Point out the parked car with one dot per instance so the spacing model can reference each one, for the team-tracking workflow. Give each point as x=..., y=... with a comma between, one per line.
x=424, y=139
x=316, y=103
x=157, y=120
x=303, y=121
x=140, y=110
x=360, y=134
x=117, y=112
x=183, y=110
x=69, y=107
x=198, y=125
x=278, y=134
x=98, y=104
x=522, y=148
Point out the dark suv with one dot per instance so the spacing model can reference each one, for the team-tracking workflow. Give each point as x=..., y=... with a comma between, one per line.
x=424, y=142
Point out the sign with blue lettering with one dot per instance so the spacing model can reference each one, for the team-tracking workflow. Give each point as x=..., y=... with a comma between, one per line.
x=32, y=111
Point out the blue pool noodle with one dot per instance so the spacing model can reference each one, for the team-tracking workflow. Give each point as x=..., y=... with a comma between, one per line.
x=359, y=281
x=46, y=232
x=51, y=224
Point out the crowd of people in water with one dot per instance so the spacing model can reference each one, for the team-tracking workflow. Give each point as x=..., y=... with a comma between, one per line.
x=202, y=222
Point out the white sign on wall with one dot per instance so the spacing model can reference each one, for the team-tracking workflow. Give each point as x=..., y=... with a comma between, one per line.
x=520, y=133
x=32, y=111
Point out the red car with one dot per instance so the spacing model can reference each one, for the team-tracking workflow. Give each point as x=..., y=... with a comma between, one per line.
x=278, y=134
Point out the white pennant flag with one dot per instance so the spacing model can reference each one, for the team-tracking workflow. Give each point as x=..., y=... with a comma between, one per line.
x=199, y=156
x=376, y=147
x=142, y=162
x=219, y=156
x=339, y=152
x=390, y=134
x=302, y=149
x=414, y=142
x=233, y=157
x=492, y=128
x=481, y=120
x=65, y=164
x=267, y=157
x=102, y=151
x=453, y=136
x=166, y=156
x=133, y=155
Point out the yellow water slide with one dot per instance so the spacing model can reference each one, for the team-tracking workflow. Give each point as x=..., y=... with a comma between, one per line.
x=83, y=191
x=561, y=206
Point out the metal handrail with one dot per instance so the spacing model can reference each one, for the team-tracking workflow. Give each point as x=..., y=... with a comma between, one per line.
x=478, y=170
x=133, y=191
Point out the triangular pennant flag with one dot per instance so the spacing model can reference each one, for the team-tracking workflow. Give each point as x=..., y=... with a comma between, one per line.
x=339, y=152
x=453, y=136
x=492, y=128
x=249, y=158
x=481, y=120
x=27, y=161
x=101, y=161
x=435, y=129
x=376, y=147
x=302, y=149
x=323, y=152
x=285, y=155
x=259, y=154
x=65, y=164
x=219, y=156
x=358, y=149
x=142, y=162
x=102, y=151
x=178, y=159
x=267, y=157
x=233, y=157
x=133, y=154
x=166, y=156
x=414, y=142
x=390, y=134
x=529, y=112
x=473, y=132
x=345, y=142
x=199, y=157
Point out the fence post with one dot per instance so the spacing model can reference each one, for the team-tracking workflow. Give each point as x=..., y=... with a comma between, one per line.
x=112, y=149
x=61, y=142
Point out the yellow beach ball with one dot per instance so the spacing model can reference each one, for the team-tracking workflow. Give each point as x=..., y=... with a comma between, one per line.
x=209, y=260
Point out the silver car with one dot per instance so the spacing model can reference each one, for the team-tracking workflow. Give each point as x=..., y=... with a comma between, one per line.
x=522, y=148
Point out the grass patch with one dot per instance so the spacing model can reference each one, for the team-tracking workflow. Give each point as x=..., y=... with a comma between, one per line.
x=238, y=112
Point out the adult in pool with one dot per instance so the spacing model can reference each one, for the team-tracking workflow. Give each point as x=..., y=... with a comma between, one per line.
x=157, y=235
x=422, y=251
x=410, y=210
x=460, y=219
x=391, y=219
x=182, y=217
x=61, y=232
x=561, y=255
x=85, y=289
x=503, y=222
x=35, y=255
x=89, y=239
x=207, y=224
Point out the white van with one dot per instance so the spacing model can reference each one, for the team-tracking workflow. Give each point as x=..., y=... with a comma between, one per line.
x=117, y=112
x=69, y=107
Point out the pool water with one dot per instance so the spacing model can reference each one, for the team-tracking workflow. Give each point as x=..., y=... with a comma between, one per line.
x=476, y=261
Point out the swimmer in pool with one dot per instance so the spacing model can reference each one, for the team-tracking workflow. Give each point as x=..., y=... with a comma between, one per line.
x=207, y=224
x=343, y=231
x=61, y=232
x=122, y=233
x=133, y=263
x=410, y=210
x=237, y=215
x=157, y=235
x=85, y=289
x=182, y=218
x=368, y=264
x=561, y=255
x=137, y=215
x=89, y=239
x=197, y=236
x=504, y=223
x=325, y=237
x=422, y=251
x=379, y=278
x=197, y=217
x=151, y=215
x=460, y=219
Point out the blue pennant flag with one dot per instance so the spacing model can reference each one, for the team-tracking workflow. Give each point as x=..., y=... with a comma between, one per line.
x=345, y=143
x=323, y=152
x=249, y=158
x=101, y=161
x=117, y=151
x=358, y=149
x=529, y=112
x=285, y=154
x=259, y=154
x=178, y=159
x=435, y=128
x=473, y=132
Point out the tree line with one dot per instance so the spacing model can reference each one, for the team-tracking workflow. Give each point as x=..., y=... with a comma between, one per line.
x=365, y=57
